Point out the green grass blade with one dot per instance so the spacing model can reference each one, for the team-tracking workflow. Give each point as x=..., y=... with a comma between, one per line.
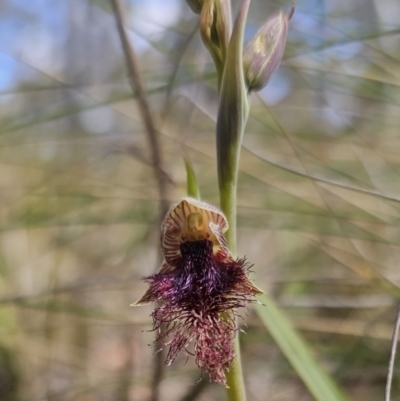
x=192, y=187
x=320, y=384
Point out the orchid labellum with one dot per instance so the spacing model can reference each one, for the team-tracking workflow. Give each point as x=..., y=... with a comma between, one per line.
x=199, y=287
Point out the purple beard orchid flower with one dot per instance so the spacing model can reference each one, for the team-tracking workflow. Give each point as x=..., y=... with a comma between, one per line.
x=199, y=287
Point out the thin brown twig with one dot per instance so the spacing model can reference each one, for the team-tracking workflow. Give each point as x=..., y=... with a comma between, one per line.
x=136, y=84
x=392, y=355
x=156, y=157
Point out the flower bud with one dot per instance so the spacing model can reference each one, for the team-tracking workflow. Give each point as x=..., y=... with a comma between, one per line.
x=215, y=27
x=264, y=52
x=195, y=5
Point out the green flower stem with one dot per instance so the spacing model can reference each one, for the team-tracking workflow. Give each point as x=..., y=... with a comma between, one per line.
x=232, y=117
x=236, y=390
x=234, y=378
x=228, y=206
x=228, y=189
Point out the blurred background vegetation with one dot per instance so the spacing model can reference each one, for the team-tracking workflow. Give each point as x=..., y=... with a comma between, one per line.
x=319, y=194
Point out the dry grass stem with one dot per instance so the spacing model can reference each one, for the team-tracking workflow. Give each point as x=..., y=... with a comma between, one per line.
x=392, y=355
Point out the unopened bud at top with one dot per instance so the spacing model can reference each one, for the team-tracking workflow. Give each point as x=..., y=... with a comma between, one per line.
x=264, y=52
x=195, y=5
x=215, y=27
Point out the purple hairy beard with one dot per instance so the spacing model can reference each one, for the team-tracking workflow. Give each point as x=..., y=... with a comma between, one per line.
x=198, y=300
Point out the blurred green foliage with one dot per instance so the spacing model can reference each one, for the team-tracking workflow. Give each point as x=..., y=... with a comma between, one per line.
x=318, y=194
